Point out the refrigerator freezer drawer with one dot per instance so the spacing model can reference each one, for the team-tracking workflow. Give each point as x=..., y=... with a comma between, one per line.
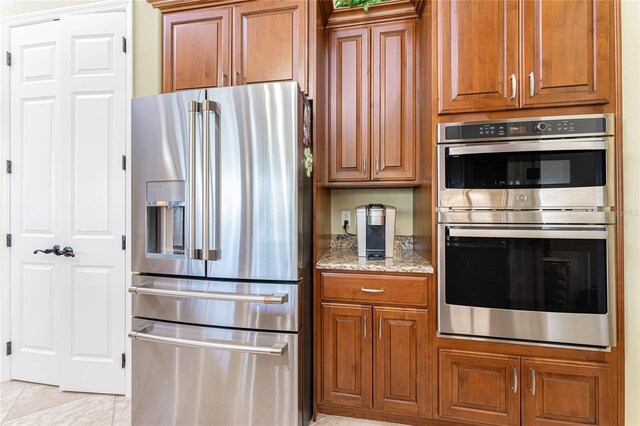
x=193, y=375
x=264, y=306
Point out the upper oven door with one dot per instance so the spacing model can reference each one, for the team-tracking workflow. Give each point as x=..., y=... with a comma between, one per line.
x=556, y=173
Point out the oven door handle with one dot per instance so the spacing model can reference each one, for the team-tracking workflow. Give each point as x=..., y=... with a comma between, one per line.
x=267, y=299
x=278, y=348
x=546, y=145
x=562, y=233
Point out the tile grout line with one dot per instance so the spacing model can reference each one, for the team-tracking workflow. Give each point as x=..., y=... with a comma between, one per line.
x=48, y=408
x=113, y=411
x=24, y=385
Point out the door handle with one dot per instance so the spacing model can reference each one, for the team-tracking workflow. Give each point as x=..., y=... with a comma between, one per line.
x=514, y=388
x=194, y=108
x=237, y=75
x=513, y=86
x=66, y=252
x=532, y=87
x=55, y=250
x=532, y=386
x=209, y=253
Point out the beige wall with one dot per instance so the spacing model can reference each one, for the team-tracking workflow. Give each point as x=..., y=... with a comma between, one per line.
x=349, y=199
x=147, y=26
x=631, y=141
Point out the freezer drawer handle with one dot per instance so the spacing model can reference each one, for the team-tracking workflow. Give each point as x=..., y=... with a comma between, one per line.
x=267, y=299
x=278, y=348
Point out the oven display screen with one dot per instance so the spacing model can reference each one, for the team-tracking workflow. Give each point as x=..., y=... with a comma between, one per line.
x=518, y=129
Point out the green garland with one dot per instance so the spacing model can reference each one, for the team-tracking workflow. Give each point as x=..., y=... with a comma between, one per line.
x=348, y=3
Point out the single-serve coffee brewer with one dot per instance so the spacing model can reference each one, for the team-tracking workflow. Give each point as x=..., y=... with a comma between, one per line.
x=376, y=227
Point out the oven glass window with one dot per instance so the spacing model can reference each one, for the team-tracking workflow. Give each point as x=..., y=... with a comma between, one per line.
x=537, y=274
x=552, y=169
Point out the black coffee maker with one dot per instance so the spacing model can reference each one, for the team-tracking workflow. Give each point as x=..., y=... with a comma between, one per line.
x=376, y=227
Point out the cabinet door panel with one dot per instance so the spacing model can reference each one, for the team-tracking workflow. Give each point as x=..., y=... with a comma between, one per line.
x=400, y=373
x=196, y=49
x=393, y=91
x=477, y=53
x=564, y=392
x=567, y=52
x=270, y=41
x=347, y=357
x=479, y=387
x=349, y=104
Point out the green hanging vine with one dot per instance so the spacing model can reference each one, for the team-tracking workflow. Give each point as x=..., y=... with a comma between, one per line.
x=348, y=3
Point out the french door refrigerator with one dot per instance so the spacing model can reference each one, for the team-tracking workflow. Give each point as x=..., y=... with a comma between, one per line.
x=221, y=257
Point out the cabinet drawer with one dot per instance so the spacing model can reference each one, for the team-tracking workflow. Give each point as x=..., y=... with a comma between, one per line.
x=375, y=288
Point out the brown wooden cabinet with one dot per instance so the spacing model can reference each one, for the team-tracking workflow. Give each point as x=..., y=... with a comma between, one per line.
x=347, y=353
x=561, y=55
x=400, y=348
x=269, y=43
x=196, y=49
x=479, y=387
x=374, y=356
x=372, y=117
x=509, y=390
x=565, y=392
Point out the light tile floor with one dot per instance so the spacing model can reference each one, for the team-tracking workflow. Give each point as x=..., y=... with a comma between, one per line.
x=24, y=403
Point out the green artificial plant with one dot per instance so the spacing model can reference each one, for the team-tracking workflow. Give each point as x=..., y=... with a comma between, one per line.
x=348, y=3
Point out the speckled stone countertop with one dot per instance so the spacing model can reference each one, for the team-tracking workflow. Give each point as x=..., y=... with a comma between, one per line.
x=347, y=259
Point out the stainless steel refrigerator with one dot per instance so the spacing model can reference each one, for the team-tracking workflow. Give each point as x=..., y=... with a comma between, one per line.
x=221, y=257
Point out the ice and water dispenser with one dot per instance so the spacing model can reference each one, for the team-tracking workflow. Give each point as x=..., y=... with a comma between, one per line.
x=165, y=233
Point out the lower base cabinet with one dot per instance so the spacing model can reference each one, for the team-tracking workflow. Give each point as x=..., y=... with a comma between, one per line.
x=510, y=390
x=375, y=357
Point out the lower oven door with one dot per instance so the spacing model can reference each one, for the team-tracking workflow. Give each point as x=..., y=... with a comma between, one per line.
x=194, y=375
x=537, y=283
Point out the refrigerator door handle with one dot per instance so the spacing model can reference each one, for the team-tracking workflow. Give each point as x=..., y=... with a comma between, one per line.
x=267, y=299
x=192, y=252
x=211, y=225
x=278, y=348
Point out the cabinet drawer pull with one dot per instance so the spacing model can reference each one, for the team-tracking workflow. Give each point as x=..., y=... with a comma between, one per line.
x=372, y=290
x=513, y=86
x=515, y=381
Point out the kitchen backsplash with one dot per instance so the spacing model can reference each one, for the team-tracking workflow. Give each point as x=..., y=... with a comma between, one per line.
x=401, y=242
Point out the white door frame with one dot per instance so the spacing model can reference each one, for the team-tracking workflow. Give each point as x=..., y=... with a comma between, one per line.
x=6, y=24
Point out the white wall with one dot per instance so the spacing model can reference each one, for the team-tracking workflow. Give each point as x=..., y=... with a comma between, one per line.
x=631, y=149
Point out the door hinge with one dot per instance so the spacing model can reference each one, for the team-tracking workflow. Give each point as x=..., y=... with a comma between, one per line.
x=124, y=44
x=8, y=58
x=8, y=240
x=124, y=242
x=124, y=162
x=8, y=348
x=9, y=168
x=124, y=360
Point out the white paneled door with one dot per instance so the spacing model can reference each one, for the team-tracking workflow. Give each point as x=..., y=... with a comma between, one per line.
x=68, y=112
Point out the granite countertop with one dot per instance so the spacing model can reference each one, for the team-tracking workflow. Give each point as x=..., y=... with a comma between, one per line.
x=346, y=258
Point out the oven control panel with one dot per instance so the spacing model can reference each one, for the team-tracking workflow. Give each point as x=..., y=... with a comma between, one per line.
x=557, y=127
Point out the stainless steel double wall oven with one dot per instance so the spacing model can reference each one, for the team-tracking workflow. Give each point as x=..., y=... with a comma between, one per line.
x=525, y=229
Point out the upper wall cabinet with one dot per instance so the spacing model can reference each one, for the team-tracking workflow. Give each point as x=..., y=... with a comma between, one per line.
x=248, y=42
x=562, y=54
x=372, y=115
